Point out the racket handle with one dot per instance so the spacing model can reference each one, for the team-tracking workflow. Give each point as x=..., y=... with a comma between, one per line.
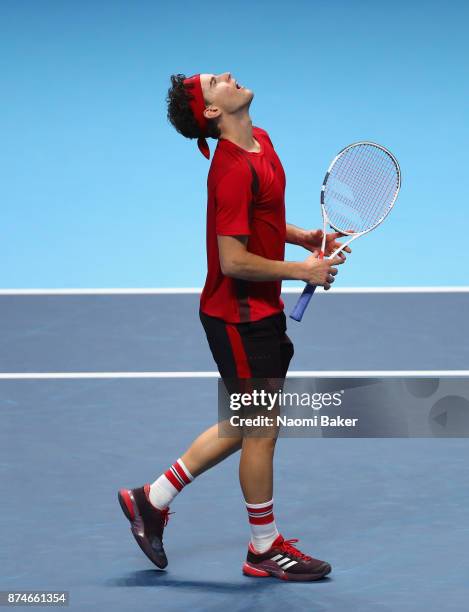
x=302, y=303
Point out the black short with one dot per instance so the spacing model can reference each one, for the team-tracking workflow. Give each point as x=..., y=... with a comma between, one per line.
x=258, y=349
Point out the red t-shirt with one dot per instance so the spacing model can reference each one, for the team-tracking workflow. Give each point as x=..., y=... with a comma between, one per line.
x=234, y=210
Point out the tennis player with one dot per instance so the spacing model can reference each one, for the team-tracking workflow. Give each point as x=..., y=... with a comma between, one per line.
x=241, y=311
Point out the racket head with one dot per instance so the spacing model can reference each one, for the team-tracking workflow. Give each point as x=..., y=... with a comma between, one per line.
x=360, y=188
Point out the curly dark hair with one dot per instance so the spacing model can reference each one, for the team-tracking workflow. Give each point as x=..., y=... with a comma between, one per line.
x=180, y=113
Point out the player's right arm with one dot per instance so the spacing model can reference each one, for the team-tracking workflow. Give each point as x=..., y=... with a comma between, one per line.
x=233, y=195
x=237, y=262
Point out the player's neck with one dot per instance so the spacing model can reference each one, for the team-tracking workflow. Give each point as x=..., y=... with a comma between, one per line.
x=238, y=129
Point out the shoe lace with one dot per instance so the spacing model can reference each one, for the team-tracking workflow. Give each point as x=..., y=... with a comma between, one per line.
x=287, y=546
x=165, y=514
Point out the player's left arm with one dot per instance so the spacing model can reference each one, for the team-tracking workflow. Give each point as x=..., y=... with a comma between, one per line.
x=311, y=240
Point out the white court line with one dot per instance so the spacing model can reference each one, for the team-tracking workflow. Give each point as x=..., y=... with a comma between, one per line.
x=197, y=290
x=213, y=374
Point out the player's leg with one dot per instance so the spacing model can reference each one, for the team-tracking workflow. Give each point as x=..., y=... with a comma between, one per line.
x=147, y=507
x=269, y=554
x=269, y=349
x=209, y=449
x=205, y=452
x=258, y=448
x=269, y=352
x=256, y=480
x=256, y=469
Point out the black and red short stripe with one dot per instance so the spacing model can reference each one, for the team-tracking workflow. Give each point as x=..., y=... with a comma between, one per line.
x=257, y=349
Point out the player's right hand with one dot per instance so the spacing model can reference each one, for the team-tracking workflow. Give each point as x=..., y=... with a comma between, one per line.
x=321, y=271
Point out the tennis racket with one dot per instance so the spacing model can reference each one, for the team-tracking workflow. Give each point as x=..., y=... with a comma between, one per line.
x=357, y=194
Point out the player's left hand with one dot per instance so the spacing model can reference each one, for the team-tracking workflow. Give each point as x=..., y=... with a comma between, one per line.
x=312, y=241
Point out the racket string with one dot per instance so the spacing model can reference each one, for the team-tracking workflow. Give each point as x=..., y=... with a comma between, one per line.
x=361, y=174
x=347, y=171
x=383, y=183
x=370, y=177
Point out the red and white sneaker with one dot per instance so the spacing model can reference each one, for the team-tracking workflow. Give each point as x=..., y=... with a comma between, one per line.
x=284, y=561
x=147, y=523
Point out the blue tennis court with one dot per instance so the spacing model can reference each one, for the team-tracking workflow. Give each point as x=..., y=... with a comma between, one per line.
x=95, y=396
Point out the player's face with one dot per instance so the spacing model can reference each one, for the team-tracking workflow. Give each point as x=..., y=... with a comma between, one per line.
x=224, y=92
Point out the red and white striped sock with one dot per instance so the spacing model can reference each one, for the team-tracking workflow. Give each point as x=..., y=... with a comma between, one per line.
x=262, y=523
x=168, y=485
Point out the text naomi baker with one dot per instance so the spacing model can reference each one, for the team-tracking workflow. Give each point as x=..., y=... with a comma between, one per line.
x=283, y=421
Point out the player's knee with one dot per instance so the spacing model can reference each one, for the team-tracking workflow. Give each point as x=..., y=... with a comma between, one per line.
x=259, y=444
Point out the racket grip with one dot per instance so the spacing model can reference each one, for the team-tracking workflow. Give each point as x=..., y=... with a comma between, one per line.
x=302, y=303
